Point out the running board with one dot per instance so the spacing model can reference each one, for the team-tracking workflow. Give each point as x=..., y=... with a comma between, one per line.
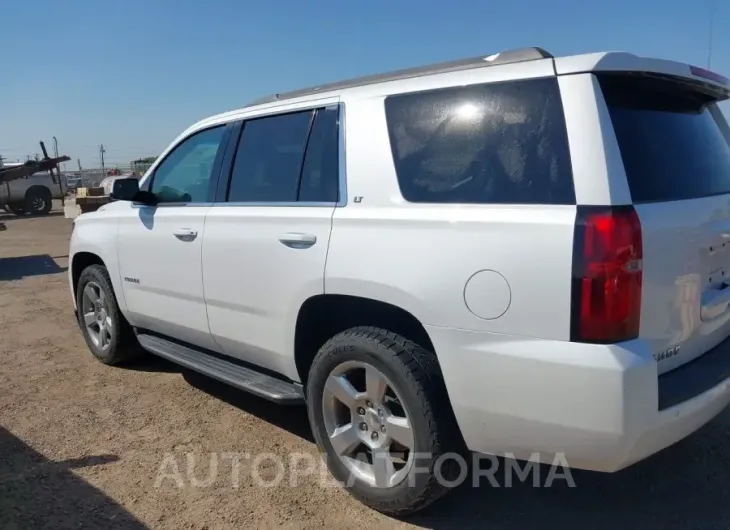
x=229, y=372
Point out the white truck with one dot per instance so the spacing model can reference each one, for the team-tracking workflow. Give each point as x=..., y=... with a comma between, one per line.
x=516, y=254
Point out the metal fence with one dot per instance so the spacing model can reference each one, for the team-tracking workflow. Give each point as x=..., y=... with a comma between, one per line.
x=92, y=177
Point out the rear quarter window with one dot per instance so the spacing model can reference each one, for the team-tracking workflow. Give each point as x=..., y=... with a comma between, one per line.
x=503, y=143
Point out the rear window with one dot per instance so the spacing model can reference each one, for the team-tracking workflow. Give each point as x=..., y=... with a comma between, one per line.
x=670, y=136
x=502, y=143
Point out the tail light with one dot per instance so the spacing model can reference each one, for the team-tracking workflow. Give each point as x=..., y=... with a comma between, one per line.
x=607, y=277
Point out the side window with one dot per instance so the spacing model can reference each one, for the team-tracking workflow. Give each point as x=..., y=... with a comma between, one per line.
x=320, y=181
x=184, y=175
x=499, y=143
x=269, y=158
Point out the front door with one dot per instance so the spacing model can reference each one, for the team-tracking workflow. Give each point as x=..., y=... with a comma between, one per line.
x=160, y=246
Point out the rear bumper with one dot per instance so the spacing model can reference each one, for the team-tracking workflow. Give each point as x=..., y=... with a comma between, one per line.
x=596, y=406
x=696, y=377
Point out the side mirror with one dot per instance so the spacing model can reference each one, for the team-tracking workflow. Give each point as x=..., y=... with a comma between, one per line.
x=127, y=189
x=124, y=189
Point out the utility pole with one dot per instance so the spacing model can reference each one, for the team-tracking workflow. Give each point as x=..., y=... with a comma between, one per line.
x=55, y=152
x=101, y=155
x=78, y=161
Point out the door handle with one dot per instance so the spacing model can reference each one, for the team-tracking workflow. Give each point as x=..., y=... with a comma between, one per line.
x=298, y=240
x=185, y=234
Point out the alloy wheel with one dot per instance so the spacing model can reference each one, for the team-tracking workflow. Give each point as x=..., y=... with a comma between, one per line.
x=367, y=424
x=96, y=315
x=38, y=203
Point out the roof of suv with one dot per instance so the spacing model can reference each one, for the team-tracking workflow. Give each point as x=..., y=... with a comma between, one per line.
x=510, y=56
x=591, y=62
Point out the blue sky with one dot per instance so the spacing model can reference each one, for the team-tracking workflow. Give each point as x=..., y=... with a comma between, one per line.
x=134, y=73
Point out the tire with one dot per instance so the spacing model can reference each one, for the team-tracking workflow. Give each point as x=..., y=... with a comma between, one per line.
x=112, y=340
x=413, y=375
x=38, y=201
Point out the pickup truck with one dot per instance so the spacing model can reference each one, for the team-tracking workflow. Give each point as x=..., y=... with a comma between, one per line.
x=32, y=194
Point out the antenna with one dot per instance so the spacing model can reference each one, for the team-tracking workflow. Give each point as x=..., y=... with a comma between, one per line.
x=713, y=12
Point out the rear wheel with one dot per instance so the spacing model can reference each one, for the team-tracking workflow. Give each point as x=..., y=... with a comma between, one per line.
x=107, y=333
x=379, y=411
x=38, y=201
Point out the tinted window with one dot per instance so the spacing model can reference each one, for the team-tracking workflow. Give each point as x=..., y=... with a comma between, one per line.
x=496, y=143
x=269, y=158
x=184, y=175
x=321, y=165
x=671, y=144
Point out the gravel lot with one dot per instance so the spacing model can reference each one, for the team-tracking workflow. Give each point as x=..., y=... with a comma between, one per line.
x=82, y=445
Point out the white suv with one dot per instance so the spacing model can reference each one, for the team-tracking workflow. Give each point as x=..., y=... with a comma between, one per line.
x=512, y=254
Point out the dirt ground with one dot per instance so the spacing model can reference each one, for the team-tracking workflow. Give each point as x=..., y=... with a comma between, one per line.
x=83, y=445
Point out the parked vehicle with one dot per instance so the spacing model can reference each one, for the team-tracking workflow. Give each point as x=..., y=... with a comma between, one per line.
x=32, y=194
x=512, y=254
x=108, y=182
x=73, y=181
x=91, y=199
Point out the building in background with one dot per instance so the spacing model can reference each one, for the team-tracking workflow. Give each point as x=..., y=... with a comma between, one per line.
x=141, y=165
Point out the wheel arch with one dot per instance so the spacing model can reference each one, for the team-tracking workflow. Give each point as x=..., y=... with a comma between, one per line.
x=94, y=240
x=322, y=316
x=79, y=262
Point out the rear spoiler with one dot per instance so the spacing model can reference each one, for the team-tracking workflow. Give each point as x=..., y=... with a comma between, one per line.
x=626, y=62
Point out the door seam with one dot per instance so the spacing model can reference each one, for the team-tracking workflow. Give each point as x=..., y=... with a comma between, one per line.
x=202, y=281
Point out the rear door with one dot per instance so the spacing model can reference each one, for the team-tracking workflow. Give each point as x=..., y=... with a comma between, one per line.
x=265, y=244
x=675, y=147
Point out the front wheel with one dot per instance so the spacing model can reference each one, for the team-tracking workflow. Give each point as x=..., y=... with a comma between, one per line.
x=106, y=332
x=380, y=414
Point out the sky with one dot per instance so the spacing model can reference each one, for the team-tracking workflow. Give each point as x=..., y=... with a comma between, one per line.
x=133, y=74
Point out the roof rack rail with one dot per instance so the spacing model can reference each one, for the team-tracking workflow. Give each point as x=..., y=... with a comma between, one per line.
x=505, y=57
